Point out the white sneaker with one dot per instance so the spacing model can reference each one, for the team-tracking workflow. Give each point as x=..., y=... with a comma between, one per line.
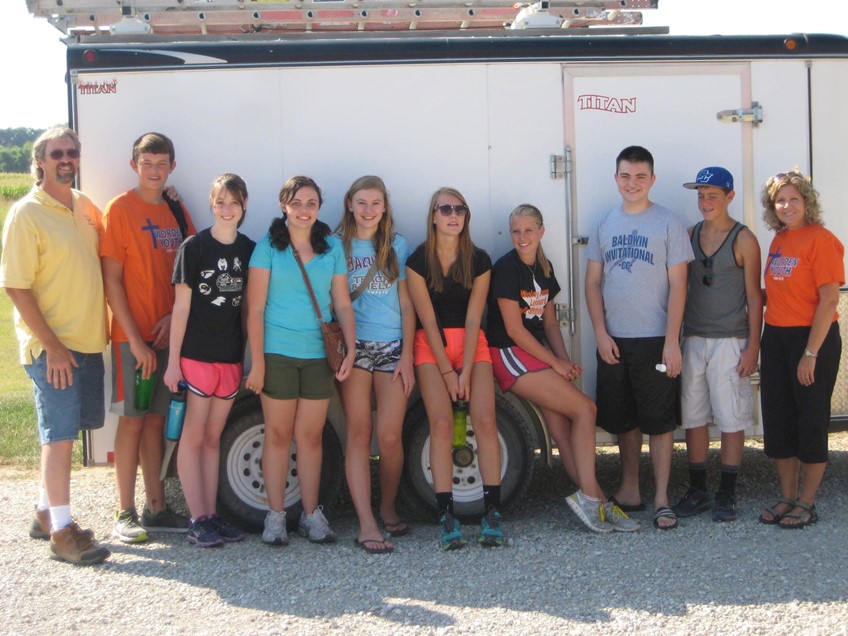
x=589, y=512
x=618, y=519
x=316, y=527
x=275, y=528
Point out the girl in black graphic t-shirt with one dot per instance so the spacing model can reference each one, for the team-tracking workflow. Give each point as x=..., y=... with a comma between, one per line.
x=530, y=359
x=207, y=348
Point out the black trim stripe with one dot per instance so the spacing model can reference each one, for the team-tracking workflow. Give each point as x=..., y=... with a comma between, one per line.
x=496, y=46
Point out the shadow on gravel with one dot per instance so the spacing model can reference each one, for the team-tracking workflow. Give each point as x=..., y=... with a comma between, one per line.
x=553, y=567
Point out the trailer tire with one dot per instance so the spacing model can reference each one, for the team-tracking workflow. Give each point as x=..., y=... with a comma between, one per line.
x=517, y=452
x=241, y=488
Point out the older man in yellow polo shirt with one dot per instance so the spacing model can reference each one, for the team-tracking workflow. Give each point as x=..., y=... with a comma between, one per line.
x=50, y=268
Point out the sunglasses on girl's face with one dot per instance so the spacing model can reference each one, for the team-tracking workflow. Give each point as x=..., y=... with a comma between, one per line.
x=447, y=210
x=56, y=155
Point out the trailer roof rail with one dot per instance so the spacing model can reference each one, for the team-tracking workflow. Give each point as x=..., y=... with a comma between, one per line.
x=220, y=17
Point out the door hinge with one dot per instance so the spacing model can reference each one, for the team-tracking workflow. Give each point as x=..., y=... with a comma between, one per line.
x=557, y=166
x=563, y=314
x=753, y=115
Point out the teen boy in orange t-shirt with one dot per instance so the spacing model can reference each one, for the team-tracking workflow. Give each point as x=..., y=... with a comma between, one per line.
x=140, y=242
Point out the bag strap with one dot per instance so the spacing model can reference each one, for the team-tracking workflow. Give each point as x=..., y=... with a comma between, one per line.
x=308, y=284
x=369, y=276
x=179, y=215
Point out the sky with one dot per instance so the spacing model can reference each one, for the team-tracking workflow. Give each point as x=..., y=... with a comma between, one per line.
x=34, y=56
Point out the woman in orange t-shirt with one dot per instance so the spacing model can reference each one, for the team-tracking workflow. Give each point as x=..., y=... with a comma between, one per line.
x=801, y=345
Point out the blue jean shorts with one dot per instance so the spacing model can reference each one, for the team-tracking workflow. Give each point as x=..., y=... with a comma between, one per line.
x=63, y=413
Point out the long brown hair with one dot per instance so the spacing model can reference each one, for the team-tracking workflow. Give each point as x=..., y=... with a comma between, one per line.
x=462, y=270
x=384, y=253
x=531, y=211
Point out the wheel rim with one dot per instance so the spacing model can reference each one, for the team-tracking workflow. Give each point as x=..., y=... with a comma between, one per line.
x=244, y=470
x=467, y=482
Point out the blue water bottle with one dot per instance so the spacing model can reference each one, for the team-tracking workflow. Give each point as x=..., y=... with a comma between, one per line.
x=176, y=414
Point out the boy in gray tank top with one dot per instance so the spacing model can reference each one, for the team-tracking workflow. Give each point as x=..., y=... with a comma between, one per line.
x=721, y=343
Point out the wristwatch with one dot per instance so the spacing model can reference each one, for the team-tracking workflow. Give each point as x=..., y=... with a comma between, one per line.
x=810, y=354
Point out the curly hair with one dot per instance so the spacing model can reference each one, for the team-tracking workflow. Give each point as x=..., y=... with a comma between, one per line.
x=279, y=230
x=813, y=211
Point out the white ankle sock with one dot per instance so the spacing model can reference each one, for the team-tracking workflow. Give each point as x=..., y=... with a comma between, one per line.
x=60, y=517
x=42, y=504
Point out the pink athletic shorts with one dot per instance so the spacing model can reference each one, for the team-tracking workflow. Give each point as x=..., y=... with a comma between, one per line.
x=221, y=379
x=510, y=363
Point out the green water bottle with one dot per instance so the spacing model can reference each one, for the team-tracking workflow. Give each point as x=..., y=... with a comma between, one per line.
x=460, y=423
x=143, y=390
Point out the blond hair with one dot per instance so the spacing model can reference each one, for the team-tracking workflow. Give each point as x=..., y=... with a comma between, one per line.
x=812, y=207
x=525, y=210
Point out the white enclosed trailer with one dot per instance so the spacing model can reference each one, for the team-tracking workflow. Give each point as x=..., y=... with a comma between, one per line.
x=506, y=116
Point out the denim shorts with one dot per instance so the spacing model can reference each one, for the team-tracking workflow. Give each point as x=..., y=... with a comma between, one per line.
x=63, y=413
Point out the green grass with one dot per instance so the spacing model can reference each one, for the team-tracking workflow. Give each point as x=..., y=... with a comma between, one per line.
x=13, y=185
x=19, y=444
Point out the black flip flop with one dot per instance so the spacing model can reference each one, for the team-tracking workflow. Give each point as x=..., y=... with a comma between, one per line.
x=639, y=507
x=397, y=529
x=368, y=544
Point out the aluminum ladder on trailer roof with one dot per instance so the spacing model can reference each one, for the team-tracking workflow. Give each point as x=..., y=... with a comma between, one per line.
x=218, y=17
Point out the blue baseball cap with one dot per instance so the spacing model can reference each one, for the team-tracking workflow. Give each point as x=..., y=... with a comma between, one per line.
x=712, y=176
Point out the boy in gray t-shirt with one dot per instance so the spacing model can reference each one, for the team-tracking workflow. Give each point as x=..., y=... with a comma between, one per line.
x=636, y=292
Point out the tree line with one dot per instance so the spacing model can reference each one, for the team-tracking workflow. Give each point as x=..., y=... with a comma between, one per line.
x=16, y=148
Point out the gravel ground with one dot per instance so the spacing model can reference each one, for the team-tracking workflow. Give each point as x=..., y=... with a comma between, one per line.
x=554, y=577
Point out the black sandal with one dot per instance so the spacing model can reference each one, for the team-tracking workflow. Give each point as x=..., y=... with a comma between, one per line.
x=808, y=510
x=775, y=515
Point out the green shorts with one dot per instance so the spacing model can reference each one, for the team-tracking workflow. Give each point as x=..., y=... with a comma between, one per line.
x=292, y=378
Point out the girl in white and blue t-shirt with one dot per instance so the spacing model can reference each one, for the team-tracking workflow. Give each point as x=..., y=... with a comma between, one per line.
x=385, y=329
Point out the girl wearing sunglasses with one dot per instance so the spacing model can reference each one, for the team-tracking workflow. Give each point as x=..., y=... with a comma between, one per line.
x=448, y=279
x=385, y=327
